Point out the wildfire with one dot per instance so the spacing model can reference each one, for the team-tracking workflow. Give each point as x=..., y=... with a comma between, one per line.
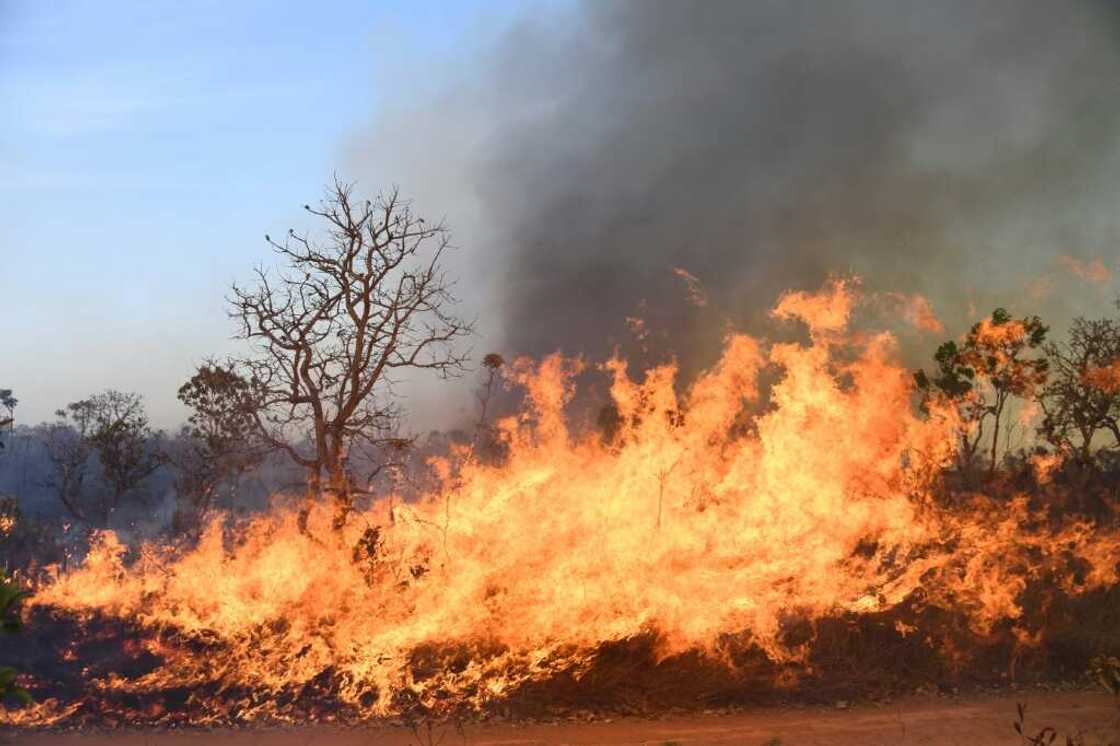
x=713, y=517
x=1106, y=378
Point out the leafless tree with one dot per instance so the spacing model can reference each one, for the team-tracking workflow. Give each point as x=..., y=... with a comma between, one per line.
x=485, y=443
x=347, y=316
x=1076, y=406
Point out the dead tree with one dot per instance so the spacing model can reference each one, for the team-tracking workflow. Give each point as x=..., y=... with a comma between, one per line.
x=1076, y=404
x=346, y=318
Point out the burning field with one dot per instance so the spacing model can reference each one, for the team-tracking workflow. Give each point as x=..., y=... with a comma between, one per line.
x=781, y=526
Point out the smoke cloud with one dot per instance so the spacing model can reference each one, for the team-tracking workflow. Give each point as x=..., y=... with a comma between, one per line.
x=953, y=149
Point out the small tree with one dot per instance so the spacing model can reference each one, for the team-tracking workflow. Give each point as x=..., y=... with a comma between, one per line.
x=350, y=312
x=112, y=424
x=485, y=443
x=982, y=374
x=68, y=445
x=7, y=422
x=11, y=597
x=220, y=443
x=1076, y=402
x=124, y=444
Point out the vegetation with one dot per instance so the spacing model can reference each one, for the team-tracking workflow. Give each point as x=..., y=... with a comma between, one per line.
x=1077, y=406
x=218, y=444
x=113, y=426
x=983, y=373
x=335, y=327
x=348, y=313
x=10, y=598
x=8, y=402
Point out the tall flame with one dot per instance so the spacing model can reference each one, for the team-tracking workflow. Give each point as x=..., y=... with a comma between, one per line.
x=724, y=509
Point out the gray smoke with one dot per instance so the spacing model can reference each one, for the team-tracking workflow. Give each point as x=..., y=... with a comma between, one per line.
x=952, y=148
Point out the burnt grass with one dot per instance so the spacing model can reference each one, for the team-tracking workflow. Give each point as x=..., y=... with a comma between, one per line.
x=850, y=658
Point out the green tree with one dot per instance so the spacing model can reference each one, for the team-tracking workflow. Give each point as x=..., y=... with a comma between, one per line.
x=220, y=443
x=68, y=445
x=124, y=443
x=11, y=597
x=8, y=402
x=982, y=373
x=113, y=425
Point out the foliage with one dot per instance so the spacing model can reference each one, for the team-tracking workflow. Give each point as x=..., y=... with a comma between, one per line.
x=981, y=374
x=113, y=425
x=1076, y=405
x=220, y=442
x=8, y=402
x=122, y=438
x=10, y=598
x=68, y=446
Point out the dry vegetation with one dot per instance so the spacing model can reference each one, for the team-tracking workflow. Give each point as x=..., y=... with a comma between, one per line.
x=806, y=520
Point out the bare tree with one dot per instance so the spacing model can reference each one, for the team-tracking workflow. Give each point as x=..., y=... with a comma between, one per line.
x=336, y=327
x=485, y=442
x=1076, y=406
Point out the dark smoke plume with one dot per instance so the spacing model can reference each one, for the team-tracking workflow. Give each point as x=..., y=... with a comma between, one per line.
x=954, y=149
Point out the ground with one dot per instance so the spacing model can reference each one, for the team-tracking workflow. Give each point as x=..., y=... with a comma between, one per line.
x=971, y=721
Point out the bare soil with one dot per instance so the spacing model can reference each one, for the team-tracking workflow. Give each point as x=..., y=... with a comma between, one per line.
x=971, y=721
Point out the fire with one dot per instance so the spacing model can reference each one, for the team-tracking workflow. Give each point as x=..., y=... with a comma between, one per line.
x=1105, y=378
x=1093, y=270
x=714, y=516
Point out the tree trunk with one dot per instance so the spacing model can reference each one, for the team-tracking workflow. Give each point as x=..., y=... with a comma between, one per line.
x=995, y=438
x=1086, y=446
x=338, y=485
x=314, y=487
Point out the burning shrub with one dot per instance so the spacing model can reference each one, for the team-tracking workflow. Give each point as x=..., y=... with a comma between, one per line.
x=691, y=555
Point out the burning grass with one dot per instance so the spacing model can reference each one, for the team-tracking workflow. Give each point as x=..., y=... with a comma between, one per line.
x=717, y=547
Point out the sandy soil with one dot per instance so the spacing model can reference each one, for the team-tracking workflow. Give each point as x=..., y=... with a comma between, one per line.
x=975, y=721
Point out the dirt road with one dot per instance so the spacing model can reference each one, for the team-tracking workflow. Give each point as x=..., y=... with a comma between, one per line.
x=975, y=721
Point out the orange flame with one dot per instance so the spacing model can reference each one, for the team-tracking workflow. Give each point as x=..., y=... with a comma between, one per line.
x=710, y=513
x=1093, y=270
x=1105, y=378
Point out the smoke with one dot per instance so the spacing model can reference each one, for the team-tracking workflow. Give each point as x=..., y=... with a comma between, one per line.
x=953, y=149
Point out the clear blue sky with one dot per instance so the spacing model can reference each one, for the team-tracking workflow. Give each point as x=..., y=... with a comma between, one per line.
x=146, y=147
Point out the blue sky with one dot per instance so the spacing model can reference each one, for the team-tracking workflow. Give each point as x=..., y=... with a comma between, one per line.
x=146, y=147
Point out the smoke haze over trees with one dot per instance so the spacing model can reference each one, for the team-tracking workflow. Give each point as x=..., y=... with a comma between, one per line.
x=952, y=149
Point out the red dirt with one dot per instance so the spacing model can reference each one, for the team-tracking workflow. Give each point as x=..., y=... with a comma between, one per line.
x=971, y=721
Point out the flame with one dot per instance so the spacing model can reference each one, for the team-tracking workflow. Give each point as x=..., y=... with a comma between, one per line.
x=44, y=714
x=1046, y=464
x=1105, y=378
x=695, y=288
x=917, y=311
x=720, y=509
x=1093, y=270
